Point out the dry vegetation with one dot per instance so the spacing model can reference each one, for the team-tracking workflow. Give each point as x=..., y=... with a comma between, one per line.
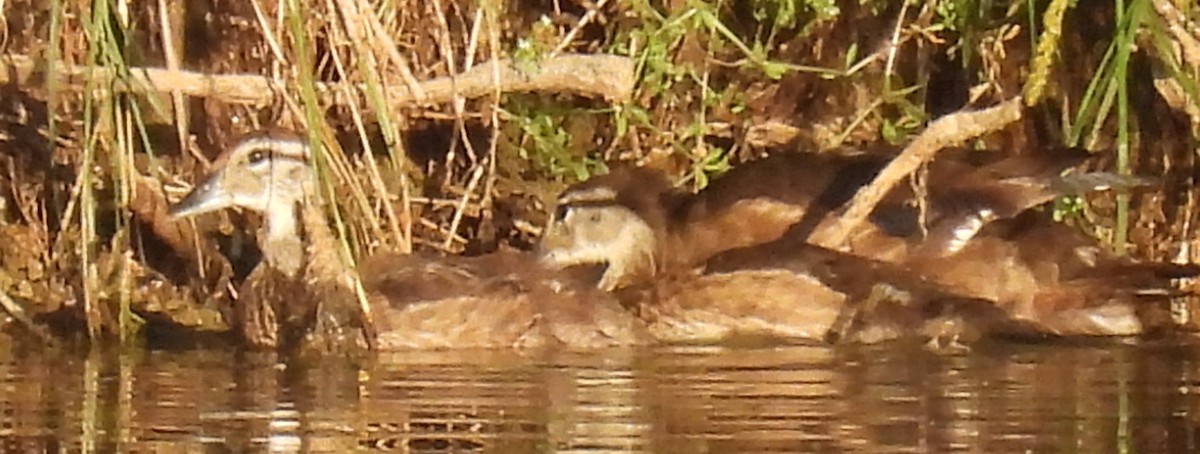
x=447, y=124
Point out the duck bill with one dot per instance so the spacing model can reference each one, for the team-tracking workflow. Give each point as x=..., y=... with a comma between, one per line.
x=208, y=196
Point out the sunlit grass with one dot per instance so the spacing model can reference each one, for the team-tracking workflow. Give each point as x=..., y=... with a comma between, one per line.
x=1107, y=99
x=113, y=127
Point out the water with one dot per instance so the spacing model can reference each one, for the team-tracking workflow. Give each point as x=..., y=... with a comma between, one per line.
x=1004, y=397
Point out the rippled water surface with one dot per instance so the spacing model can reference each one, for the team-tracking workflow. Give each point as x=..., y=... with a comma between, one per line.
x=997, y=398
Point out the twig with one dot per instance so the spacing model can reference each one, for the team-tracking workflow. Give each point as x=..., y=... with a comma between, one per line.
x=462, y=204
x=393, y=53
x=171, y=47
x=949, y=130
x=1187, y=50
x=1186, y=33
x=18, y=313
x=457, y=99
x=587, y=19
x=610, y=77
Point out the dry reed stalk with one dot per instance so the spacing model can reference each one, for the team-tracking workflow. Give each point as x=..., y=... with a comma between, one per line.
x=375, y=178
x=354, y=19
x=373, y=45
x=371, y=71
x=493, y=40
x=459, y=107
x=172, y=21
x=446, y=50
x=1187, y=40
x=1185, y=32
x=593, y=10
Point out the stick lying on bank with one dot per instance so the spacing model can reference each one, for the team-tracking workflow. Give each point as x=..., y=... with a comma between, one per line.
x=610, y=77
x=946, y=131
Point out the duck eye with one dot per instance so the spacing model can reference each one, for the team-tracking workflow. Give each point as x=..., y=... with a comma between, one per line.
x=561, y=212
x=257, y=156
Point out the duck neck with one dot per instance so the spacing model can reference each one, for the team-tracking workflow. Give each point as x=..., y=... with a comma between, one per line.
x=325, y=260
x=299, y=243
x=282, y=240
x=639, y=261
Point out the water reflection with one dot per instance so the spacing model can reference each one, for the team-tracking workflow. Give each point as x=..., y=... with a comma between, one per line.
x=998, y=398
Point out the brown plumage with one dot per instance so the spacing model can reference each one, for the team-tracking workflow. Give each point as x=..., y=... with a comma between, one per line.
x=306, y=293
x=794, y=194
x=995, y=265
x=881, y=300
x=762, y=200
x=800, y=298
x=1058, y=279
x=982, y=240
x=505, y=299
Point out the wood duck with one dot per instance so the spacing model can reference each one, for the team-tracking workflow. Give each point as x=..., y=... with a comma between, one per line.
x=792, y=194
x=985, y=242
x=800, y=193
x=1057, y=278
x=969, y=190
x=1074, y=288
x=1046, y=279
x=629, y=222
x=305, y=291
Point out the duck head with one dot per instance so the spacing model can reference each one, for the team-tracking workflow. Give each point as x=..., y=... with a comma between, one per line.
x=267, y=172
x=262, y=172
x=615, y=220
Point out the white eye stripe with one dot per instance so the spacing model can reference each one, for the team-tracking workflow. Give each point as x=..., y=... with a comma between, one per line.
x=291, y=148
x=587, y=212
x=590, y=195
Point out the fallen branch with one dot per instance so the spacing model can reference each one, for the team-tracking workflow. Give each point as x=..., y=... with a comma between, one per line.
x=953, y=129
x=150, y=205
x=610, y=77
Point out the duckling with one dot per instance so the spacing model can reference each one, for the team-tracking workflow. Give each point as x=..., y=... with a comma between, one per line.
x=969, y=190
x=306, y=293
x=663, y=228
x=985, y=242
x=1058, y=279
x=1045, y=279
x=795, y=194
x=798, y=194
x=629, y=222
x=630, y=209
x=1035, y=290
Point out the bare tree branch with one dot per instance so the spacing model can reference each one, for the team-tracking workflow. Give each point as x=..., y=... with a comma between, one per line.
x=609, y=77
x=949, y=130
